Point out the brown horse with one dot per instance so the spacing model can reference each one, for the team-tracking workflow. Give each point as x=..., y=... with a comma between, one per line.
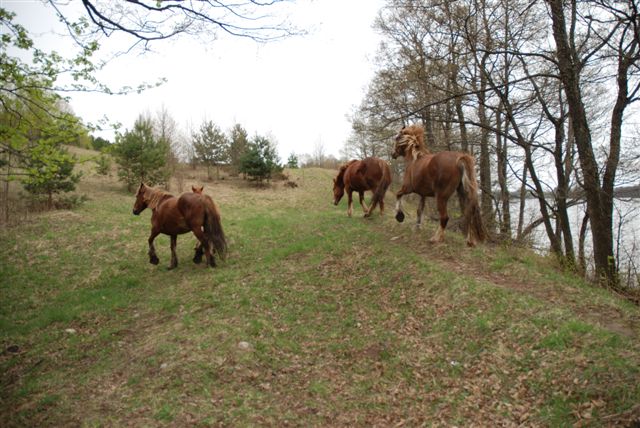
x=362, y=175
x=173, y=216
x=438, y=175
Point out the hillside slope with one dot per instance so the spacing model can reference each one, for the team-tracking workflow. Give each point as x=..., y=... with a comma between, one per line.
x=315, y=319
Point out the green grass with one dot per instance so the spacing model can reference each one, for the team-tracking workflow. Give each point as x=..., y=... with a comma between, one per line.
x=349, y=322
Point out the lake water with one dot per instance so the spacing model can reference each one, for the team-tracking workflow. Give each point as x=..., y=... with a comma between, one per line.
x=626, y=227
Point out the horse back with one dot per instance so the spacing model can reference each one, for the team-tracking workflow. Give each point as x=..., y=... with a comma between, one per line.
x=437, y=173
x=168, y=218
x=364, y=174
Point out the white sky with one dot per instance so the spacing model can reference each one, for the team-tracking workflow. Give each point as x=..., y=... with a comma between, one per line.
x=298, y=91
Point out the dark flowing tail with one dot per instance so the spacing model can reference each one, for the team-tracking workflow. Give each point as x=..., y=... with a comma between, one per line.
x=213, y=228
x=469, y=197
x=383, y=185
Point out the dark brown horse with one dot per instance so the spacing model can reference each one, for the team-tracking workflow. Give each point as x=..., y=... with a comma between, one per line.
x=438, y=175
x=361, y=175
x=191, y=212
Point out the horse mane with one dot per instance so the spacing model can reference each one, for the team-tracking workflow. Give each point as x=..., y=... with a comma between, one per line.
x=155, y=196
x=416, y=131
x=415, y=145
x=343, y=168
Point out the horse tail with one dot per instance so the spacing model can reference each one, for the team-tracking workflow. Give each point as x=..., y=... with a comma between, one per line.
x=213, y=227
x=469, y=198
x=383, y=185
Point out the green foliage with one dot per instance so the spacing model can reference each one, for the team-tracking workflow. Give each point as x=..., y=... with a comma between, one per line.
x=211, y=146
x=49, y=170
x=141, y=157
x=261, y=160
x=292, y=162
x=238, y=146
x=103, y=165
x=99, y=143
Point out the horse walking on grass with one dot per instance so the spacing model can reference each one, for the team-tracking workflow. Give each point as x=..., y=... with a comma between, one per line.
x=438, y=175
x=191, y=212
x=361, y=175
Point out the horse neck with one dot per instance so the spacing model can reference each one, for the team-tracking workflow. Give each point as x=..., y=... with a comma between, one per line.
x=156, y=197
x=414, y=154
x=341, y=173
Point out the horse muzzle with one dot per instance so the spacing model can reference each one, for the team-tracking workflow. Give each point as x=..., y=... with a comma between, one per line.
x=135, y=212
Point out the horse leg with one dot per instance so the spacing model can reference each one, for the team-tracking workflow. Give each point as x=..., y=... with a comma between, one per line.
x=153, y=258
x=399, y=212
x=423, y=199
x=444, y=219
x=350, y=209
x=205, y=245
x=363, y=204
x=174, y=257
x=199, y=251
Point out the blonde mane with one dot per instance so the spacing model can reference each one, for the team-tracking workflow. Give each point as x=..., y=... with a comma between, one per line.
x=153, y=197
x=417, y=132
x=413, y=139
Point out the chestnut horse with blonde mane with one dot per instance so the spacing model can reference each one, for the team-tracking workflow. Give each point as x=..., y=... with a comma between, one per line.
x=362, y=175
x=191, y=212
x=439, y=175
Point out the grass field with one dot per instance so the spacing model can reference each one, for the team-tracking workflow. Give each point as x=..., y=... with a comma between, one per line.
x=315, y=319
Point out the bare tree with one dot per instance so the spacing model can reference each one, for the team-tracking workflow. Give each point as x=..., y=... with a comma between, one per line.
x=150, y=20
x=615, y=35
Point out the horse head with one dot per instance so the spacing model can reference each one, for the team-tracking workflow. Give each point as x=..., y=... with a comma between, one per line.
x=338, y=189
x=141, y=200
x=410, y=140
x=338, y=183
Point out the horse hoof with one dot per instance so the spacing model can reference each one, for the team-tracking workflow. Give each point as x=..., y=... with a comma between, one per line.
x=197, y=260
x=154, y=260
x=367, y=215
x=400, y=216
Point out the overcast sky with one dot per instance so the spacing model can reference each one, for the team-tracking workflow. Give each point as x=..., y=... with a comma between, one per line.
x=299, y=90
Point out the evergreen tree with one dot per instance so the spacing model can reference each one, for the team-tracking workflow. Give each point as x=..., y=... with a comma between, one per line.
x=292, y=162
x=48, y=167
x=211, y=147
x=99, y=143
x=261, y=160
x=140, y=156
x=238, y=146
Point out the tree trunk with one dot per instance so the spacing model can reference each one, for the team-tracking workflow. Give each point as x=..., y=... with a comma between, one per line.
x=505, y=200
x=523, y=201
x=600, y=220
x=486, y=200
x=6, y=189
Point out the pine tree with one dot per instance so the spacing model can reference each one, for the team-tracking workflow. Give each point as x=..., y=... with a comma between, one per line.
x=292, y=162
x=238, y=146
x=261, y=160
x=211, y=147
x=140, y=156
